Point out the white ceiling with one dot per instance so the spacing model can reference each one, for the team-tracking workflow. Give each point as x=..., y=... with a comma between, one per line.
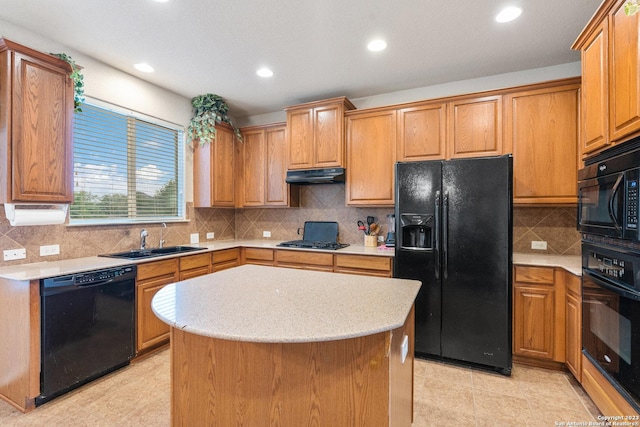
x=317, y=49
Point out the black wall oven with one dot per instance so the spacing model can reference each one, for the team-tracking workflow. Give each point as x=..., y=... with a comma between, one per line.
x=611, y=315
x=608, y=217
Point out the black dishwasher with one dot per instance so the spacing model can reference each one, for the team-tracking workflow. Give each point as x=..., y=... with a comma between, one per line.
x=87, y=327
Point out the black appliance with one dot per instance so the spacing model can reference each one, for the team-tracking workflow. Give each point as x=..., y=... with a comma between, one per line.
x=611, y=315
x=317, y=235
x=87, y=328
x=315, y=176
x=608, y=194
x=454, y=233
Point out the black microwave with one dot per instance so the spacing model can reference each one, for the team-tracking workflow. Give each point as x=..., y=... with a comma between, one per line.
x=608, y=196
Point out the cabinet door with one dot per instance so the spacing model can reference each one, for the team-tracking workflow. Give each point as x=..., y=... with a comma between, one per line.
x=475, y=127
x=624, y=74
x=41, y=132
x=328, y=130
x=371, y=151
x=573, y=327
x=223, y=188
x=533, y=320
x=151, y=331
x=254, y=168
x=541, y=130
x=595, y=91
x=300, y=138
x=422, y=132
x=277, y=190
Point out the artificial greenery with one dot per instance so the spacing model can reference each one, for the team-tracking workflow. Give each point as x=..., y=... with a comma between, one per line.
x=78, y=81
x=209, y=109
x=631, y=7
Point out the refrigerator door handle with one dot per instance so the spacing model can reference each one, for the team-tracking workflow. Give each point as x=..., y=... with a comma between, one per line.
x=445, y=234
x=436, y=252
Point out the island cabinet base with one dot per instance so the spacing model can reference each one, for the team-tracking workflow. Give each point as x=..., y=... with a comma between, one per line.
x=353, y=382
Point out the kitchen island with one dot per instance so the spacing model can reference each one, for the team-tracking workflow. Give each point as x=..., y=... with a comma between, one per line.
x=257, y=345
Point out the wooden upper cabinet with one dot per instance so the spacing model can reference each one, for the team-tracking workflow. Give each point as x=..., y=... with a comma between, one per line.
x=315, y=134
x=264, y=167
x=371, y=151
x=36, y=126
x=541, y=130
x=422, y=132
x=213, y=170
x=475, y=127
x=595, y=98
x=624, y=73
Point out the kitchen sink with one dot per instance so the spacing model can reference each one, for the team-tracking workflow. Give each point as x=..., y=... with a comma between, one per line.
x=149, y=253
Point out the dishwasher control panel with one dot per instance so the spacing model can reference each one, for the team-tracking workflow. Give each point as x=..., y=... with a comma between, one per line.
x=102, y=275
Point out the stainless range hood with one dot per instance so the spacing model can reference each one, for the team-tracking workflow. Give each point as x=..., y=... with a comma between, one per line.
x=316, y=176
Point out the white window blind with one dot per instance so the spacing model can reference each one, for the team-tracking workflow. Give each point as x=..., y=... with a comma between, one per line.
x=126, y=168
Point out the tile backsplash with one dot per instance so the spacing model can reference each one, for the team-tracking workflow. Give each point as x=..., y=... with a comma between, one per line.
x=555, y=225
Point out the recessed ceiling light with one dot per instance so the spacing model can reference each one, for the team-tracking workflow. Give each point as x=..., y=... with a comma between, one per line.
x=145, y=68
x=264, y=72
x=508, y=14
x=377, y=45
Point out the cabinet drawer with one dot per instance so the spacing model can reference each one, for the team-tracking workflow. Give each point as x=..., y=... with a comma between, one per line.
x=301, y=257
x=194, y=261
x=225, y=255
x=157, y=268
x=364, y=262
x=258, y=254
x=534, y=275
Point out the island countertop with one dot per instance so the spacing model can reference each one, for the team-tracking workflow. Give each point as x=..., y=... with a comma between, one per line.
x=255, y=303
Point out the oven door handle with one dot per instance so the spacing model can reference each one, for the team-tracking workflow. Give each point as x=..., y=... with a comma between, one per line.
x=607, y=284
x=612, y=199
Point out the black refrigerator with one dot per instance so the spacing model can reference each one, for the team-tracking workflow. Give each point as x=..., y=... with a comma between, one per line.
x=454, y=233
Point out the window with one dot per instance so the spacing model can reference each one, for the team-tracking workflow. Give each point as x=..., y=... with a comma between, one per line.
x=127, y=167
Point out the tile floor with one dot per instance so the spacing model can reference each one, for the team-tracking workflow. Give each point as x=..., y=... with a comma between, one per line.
x=445, y=395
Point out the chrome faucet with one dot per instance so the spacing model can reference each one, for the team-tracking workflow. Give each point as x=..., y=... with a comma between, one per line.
x=164, y=225
x=143, y=239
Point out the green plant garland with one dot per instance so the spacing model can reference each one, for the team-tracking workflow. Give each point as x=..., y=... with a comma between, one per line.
x=78, y=81
x=631, y=7
x=209, y=109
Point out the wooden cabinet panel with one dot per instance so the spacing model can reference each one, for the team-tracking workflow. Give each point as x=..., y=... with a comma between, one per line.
x=226, y=258
x=624, y=73
x=254, y=168
x=475, y=127
x=371, y=151
x=36, y=126
x=595, y=91
x=258, y=256
x=603, y=394
x=364, y=264
x=315, y=133
x=304, y=260
x=534, y=275
x=541, y=130
x=151, y=277
x=422, y=132
x=195, y=265
x=533, y=323
x=573, y=328
x=277, y=191
x=213, y=170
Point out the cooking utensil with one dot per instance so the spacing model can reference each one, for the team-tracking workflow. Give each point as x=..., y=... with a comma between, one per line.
x=370, y=220
x=361, y=226
x=375, y=229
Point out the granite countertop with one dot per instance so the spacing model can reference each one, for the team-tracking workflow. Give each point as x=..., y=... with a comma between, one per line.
x=571, y=263
x=41, y=270
x=269, y=304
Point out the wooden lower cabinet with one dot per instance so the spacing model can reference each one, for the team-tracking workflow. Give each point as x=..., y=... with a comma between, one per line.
x=226, y=258
x=538, y=316
x=573, y=325
x=151, y=332
x=195, y=265
x=261, y=256
x=603, y=394
x=364, y=264
x=320, y=261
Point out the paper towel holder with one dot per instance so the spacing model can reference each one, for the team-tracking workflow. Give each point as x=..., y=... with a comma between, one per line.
x=35, y=214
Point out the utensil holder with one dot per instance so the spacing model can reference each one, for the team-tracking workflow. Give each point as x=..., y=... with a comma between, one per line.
x=370, y=240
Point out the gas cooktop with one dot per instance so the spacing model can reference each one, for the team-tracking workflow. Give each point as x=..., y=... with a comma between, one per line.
x=311, y=244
